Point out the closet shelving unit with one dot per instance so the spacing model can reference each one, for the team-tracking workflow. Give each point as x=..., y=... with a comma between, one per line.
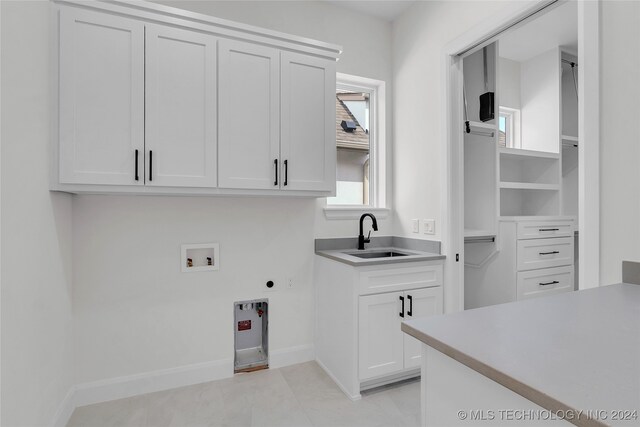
x=529, y=182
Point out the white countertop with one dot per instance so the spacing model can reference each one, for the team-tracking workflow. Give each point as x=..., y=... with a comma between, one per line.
x=574, y=351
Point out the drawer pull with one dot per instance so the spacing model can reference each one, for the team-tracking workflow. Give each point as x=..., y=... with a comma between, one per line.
x=555, y=282
x=402, y=312
x=549, y=253
x=548, y=229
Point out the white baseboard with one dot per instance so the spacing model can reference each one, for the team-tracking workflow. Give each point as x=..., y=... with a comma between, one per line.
x=149, y=382
x=291, y=356
x=353, y=397
x=65, y=410
x=165, y=379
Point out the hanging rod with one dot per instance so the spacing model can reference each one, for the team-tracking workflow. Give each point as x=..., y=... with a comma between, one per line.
x=482, y=239
x=478, y=133
x=572, y=63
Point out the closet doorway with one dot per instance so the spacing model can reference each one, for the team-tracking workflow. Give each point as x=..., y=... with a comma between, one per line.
x=522, y=147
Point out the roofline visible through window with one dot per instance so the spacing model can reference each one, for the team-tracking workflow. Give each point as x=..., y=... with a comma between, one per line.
x=377, y=142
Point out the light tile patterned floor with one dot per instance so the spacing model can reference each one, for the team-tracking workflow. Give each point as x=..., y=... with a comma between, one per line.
x=297, y=396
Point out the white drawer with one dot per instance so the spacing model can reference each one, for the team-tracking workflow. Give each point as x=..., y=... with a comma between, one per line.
x=544, y=253
x=549, y=281
x=394, y=279
x=543, y=229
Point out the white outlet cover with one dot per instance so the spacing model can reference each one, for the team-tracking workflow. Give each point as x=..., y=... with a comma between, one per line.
x=429, y=226
x=415, y=225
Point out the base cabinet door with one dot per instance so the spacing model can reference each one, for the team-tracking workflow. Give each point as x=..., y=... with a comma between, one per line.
x=420, y=303
x=101, y=84
x=249, y=125
x=381, y=341
x=308, y=141
x=180, y=108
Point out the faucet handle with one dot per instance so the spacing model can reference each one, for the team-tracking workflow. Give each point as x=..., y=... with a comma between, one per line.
x=367, y=240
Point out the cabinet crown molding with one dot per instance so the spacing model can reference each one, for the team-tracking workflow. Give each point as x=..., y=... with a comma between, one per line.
x=180, y=18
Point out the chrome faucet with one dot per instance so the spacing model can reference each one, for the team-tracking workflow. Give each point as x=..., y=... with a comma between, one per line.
x=361, y=239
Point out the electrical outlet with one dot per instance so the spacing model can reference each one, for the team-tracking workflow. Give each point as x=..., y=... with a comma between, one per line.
x=289, y=283
x=429, y=226
x=415, y=225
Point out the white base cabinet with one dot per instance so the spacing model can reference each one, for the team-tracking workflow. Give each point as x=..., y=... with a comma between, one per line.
x=531, y=257
x=359, y=311
x=383, y=348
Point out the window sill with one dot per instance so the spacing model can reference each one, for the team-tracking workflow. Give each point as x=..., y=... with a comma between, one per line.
x=354, y=212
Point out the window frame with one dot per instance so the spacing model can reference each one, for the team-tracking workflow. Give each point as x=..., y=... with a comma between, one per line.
x=512, y=126
x=377, y=149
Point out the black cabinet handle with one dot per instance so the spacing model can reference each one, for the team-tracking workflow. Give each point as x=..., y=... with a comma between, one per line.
x=150, y=165
x=275, y=162
x=555, y=282
x=286, y=171
x=549, y=253
x=548, y=229
x=410, y=312
x=402, y=312
x=137, y=177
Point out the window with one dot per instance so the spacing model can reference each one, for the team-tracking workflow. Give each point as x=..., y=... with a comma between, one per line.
x=353, y=140
x=360, y=147
x=509, y=127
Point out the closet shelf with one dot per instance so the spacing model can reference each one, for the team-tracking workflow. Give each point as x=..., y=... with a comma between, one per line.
x=520, y=154
x=529, y=186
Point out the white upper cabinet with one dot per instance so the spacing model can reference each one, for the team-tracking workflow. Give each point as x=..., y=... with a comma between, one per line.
x=308, y=106
x=101, y=98
x=160, y=101
x=180, y=80
x=249, y=111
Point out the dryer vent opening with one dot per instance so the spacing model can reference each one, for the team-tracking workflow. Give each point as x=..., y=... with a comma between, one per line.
x=251, y=335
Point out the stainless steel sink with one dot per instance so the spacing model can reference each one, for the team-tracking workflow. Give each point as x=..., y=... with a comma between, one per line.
x=379, y=254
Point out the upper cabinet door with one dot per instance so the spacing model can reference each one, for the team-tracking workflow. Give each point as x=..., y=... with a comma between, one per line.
x=101, y=87
x=308, y=143
x=180, y=108
x=249, y=120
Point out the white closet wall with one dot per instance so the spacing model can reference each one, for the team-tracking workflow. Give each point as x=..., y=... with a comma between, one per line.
x=540, y=101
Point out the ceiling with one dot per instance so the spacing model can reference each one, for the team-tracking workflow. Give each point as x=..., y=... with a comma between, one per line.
x=385, y=9
x=558, y=27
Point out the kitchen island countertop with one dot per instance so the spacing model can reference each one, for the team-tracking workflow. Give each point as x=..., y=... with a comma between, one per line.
x=577, y=351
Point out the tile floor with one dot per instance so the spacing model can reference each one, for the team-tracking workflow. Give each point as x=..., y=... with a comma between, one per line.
x=299, y=395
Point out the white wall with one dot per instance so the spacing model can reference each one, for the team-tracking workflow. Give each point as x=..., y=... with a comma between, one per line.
x=36, y=230
x=419, y=37
x=569, y=100
x=619, y=136
x=135, y=311
x=540, y=102
x=509, y=83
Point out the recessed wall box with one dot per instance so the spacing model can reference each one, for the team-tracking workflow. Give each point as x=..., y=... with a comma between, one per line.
x=200, y=257
x=251, y=335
